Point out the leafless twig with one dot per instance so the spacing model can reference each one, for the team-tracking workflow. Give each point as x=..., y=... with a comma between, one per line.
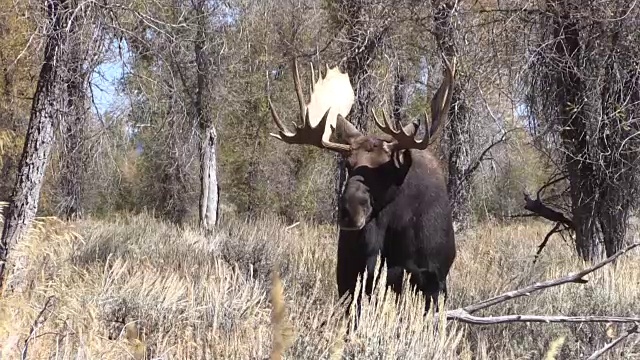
x=43, y=315
x=616, y=341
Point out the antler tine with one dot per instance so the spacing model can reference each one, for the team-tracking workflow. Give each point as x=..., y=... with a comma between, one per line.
x=275, y=116
x=313, y=77
x=405, y=137
x=300, y=95
x=306, y=133
x=441, y=101
x=385, y=126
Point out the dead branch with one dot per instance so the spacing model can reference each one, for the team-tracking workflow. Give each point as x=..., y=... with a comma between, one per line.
x=556, y=229
x=43, y=315
x=483, y=155
x=463, y=316
x=554, y=180
x=536, y=206
x=616, y=341
x=526, y=291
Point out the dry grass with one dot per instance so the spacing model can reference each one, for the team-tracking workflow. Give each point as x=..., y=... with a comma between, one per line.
x=137, y=288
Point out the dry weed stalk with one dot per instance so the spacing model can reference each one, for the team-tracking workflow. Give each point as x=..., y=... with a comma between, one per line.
x=554, y=348
x=282, y=330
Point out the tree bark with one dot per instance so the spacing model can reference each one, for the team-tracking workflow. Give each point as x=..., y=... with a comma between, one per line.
x=39, y=138
x=574, y=120
x=72, y=133
x=457, y=131
x=209, y=188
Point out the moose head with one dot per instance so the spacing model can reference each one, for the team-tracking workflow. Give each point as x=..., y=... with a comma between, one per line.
x=376, y=163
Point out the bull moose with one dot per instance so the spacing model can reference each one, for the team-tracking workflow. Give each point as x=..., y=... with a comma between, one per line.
x=394, y=203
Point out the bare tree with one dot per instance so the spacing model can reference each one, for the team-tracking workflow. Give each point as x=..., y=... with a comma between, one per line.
x=585, y=99
x=85, y=44
x=40, y=133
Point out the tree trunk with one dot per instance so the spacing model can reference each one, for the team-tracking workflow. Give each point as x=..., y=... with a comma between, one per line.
x=457, y=131
x=574, y=119
x=400, y=96
x=458, y=139
x=40, y=137
x=620, y=107
x=209, y=193
x=72, y=131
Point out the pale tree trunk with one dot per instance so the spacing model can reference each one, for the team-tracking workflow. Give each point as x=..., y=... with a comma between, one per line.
x=40, y=136
x=209, y=194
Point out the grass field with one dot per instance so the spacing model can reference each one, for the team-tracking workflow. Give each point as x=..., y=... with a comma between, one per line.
x=134, y=287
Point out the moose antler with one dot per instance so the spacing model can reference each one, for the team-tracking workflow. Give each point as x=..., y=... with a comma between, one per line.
x=405, y=137
x=330, y=101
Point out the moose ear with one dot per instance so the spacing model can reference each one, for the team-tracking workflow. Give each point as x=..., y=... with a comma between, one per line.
x=345, y=131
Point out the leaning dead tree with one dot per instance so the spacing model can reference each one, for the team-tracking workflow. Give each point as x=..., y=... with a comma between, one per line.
x=465, y=314
x=40, y=133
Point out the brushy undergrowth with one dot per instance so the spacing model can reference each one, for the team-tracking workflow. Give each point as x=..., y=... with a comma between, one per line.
x=135, y=287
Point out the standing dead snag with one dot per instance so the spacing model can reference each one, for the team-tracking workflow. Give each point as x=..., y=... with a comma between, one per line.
x=209, y=187
x=40, y=134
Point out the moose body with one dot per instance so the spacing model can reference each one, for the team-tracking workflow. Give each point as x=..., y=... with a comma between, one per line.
x=410, y=227
x=395, y=201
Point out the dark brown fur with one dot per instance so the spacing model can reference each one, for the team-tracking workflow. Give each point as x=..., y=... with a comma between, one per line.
x=408, y=220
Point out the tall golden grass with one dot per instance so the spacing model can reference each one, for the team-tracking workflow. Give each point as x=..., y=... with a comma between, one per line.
x=137, y=288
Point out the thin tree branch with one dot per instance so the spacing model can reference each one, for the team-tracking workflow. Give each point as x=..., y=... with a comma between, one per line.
x=552, y=182
x=474, y=166
x=43, y=315
x=556, y=229
x=616, y=341
x=526, y=291
x=463, y=316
